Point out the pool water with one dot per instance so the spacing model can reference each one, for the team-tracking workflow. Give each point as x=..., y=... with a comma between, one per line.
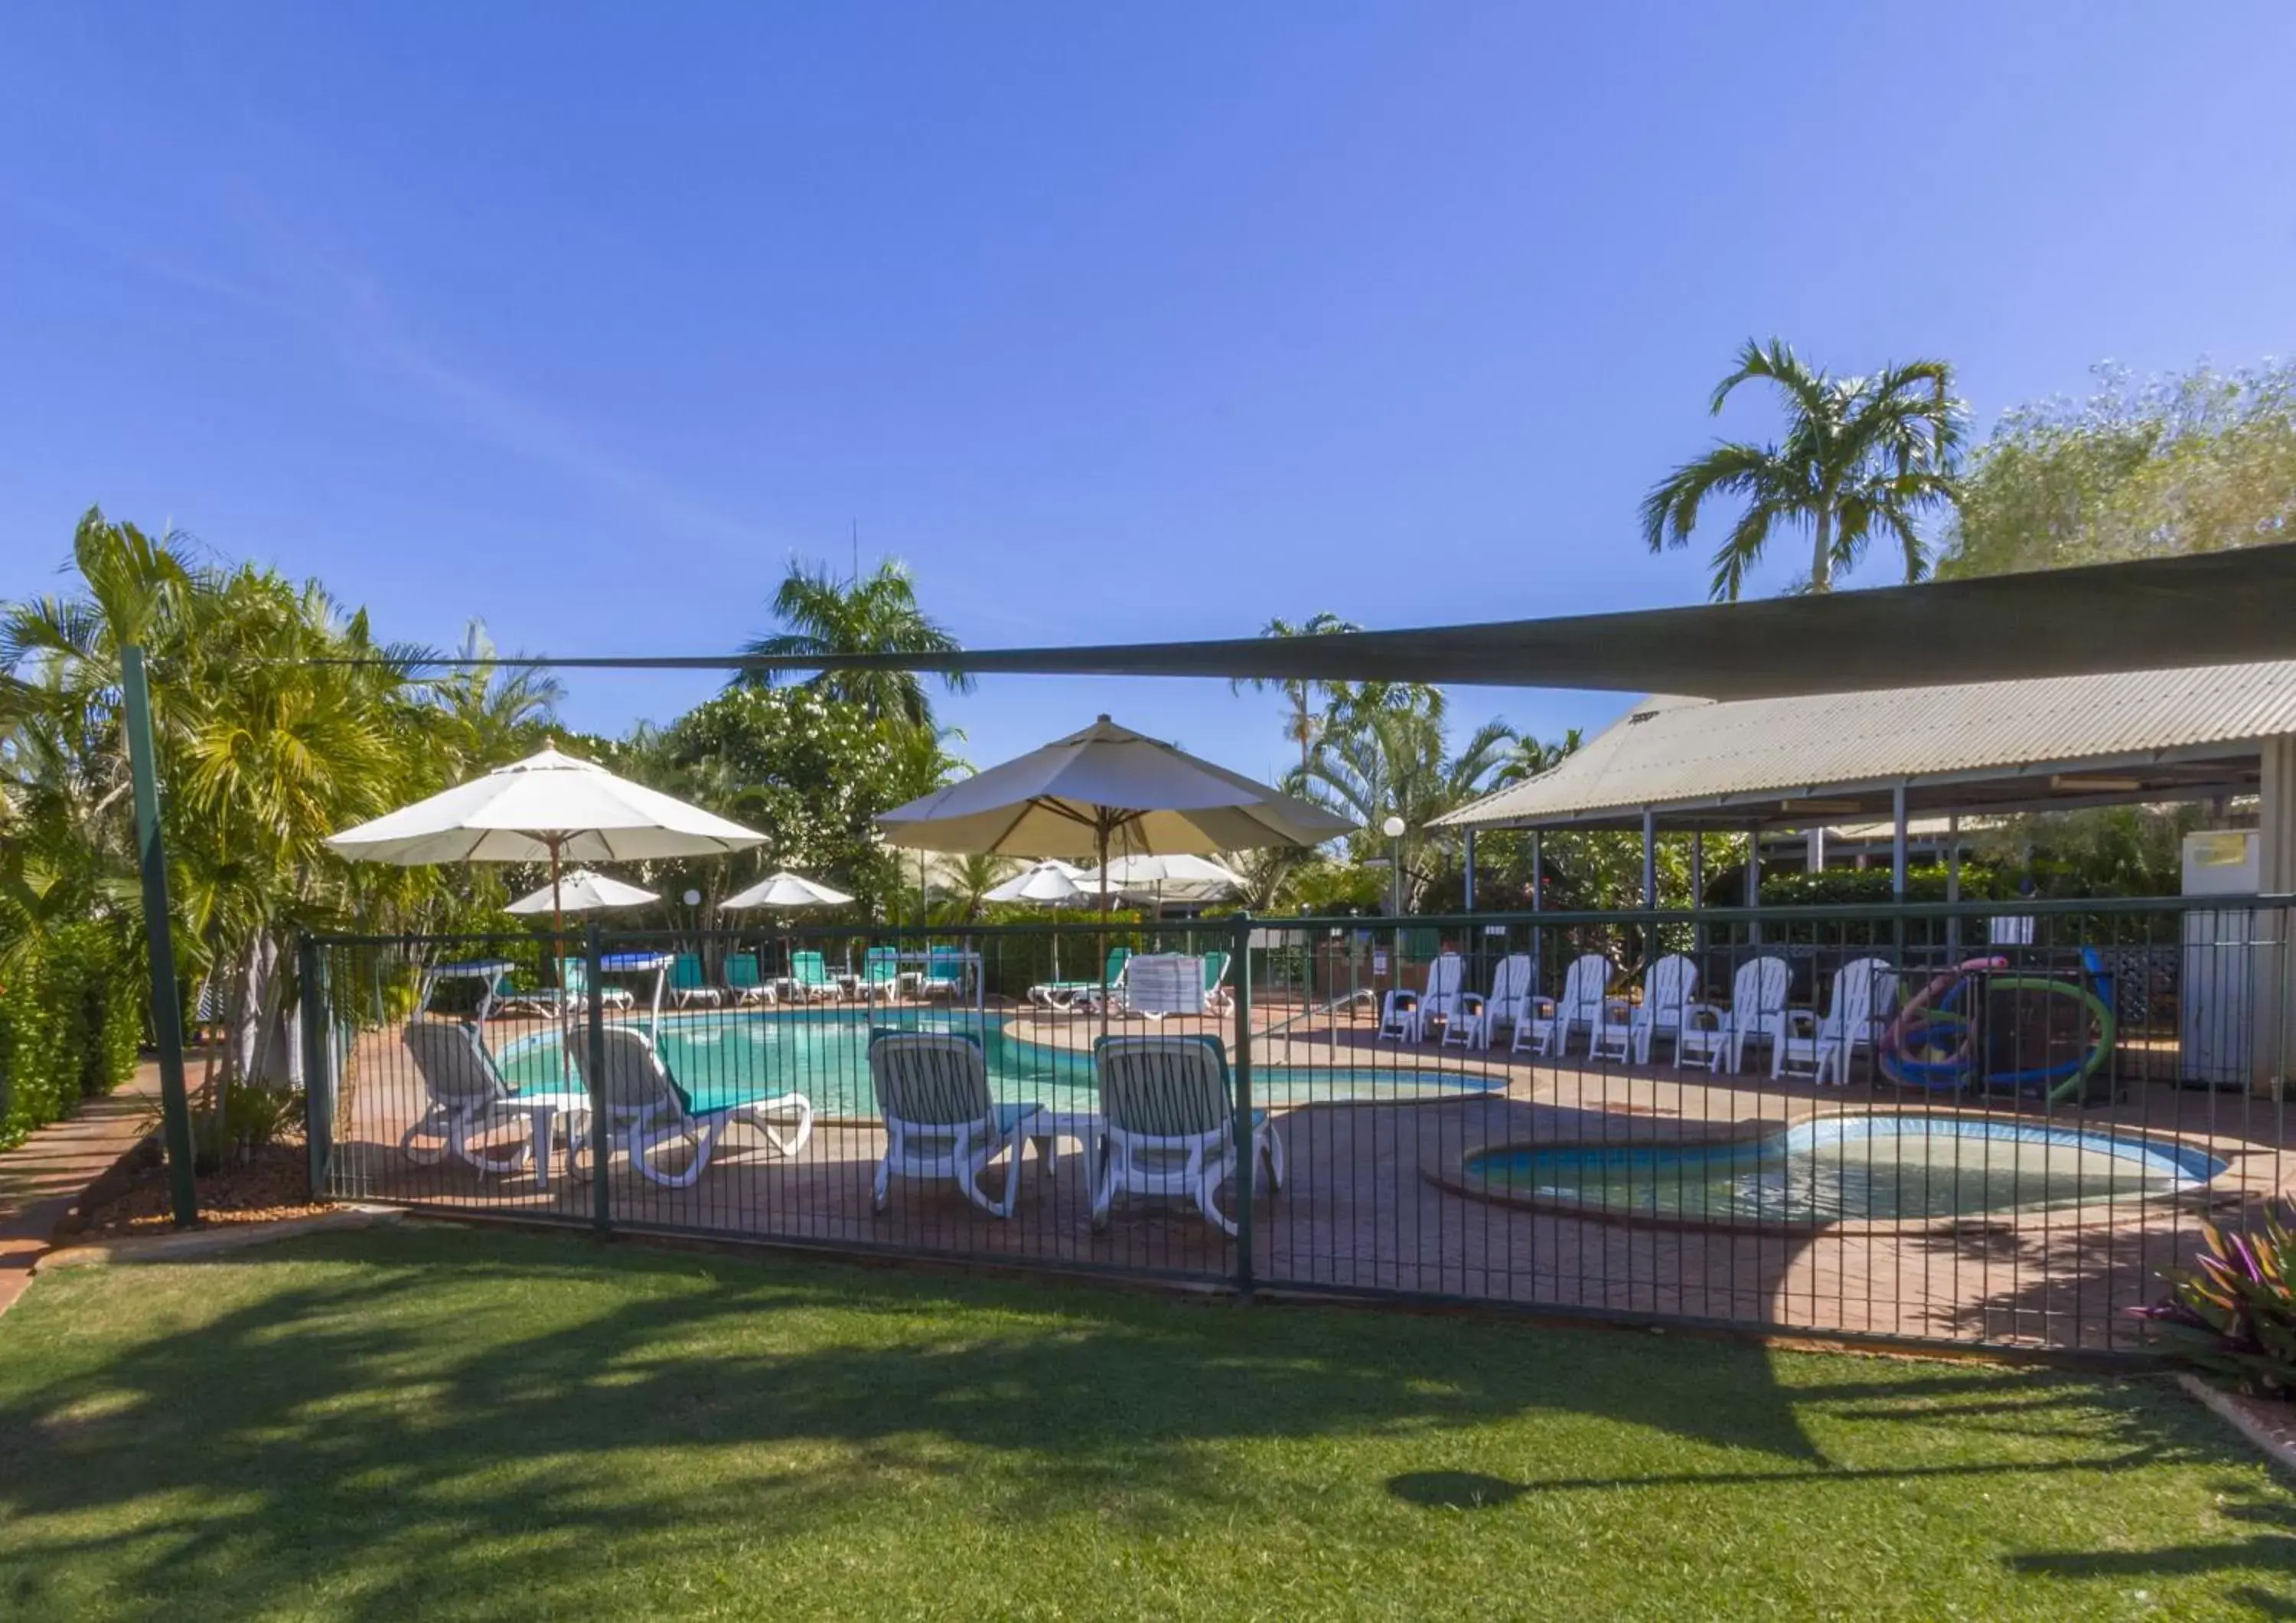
x=823, y=1055
x=1852, y=1169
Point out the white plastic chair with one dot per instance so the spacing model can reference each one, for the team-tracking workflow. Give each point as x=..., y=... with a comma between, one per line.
x=1757, y=1009
x=1668, y=985
x=646, y=1107
x=1863, y=989
x=1447, y=981
x=1479, y=1017
x=940, y=1119
x=1550, y=1021
x=1169, y=1125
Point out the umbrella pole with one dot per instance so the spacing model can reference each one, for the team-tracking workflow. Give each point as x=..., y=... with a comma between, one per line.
x=557, y=912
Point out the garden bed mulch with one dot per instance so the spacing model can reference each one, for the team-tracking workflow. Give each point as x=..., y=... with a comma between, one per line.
x=135, y=1198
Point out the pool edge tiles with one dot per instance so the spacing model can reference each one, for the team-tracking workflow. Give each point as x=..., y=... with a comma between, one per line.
x=1753, y=1183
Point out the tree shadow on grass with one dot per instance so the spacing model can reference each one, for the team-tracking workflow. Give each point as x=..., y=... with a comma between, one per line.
x=2268, y=1541
x=463, y=1420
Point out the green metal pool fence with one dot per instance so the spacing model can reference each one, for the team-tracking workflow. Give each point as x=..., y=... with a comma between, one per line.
x=1981, y=1124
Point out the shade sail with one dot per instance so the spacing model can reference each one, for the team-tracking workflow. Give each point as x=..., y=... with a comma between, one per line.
x=2153, y=615
x=785, y=891
x=547, y=808
x=1107, y=785
x=582, y=891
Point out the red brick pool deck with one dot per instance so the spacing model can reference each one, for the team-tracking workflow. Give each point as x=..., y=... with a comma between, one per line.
x=1360, y=1209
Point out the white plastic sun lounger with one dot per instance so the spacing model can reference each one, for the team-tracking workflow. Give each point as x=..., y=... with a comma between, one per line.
x=1169, y=1125
x=647, y=1109
x=941, y=1121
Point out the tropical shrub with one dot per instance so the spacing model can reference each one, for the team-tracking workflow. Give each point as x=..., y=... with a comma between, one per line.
x=2234, y=1311
x=71, y=1015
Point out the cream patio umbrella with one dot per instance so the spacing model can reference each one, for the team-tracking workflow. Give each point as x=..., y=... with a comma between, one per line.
x=1182, y=875
x=1107, y=783
x=785, y=893
x=547, y=808
x=581, y=892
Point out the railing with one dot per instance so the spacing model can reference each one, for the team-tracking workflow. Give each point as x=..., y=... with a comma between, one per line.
x=1945, y=1122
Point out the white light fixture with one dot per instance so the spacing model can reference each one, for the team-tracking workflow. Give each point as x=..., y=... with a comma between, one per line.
x=694, y=898
x=1392, y=828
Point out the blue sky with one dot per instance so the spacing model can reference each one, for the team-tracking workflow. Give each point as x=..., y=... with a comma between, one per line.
x=1115, y=323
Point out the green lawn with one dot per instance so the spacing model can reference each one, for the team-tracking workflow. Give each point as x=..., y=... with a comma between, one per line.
x=442, y=1423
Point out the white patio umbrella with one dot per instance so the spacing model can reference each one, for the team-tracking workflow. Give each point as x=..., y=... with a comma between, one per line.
x=549, y=807
x=784, y=890
x=1047, y=884
x=582, y=891
x=1182, y=873
x=1107, y=783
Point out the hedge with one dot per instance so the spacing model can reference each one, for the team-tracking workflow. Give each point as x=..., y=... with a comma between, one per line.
x=72, y=1016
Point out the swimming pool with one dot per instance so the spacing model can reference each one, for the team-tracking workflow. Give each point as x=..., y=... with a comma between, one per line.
x=1850, y=1169
x=823, y=1054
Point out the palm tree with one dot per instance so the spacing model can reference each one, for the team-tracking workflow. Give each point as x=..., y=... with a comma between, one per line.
x=1306, y=722
x=1395, y=761
x=877, y=614
x=501, y=712
x=1862, y=457
x=1529, y=757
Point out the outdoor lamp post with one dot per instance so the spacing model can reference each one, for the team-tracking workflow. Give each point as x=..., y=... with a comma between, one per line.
x=1393, y=829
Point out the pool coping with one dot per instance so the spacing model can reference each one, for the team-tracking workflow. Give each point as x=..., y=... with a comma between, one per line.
x=2234, y=1187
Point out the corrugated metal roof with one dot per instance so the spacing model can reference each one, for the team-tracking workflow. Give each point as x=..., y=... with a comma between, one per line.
x=1668, y=751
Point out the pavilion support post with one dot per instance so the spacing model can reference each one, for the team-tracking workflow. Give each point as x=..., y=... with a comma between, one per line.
x=2274, y=931
x=1814, y=848
x=159, y=941
x=1952, y=880
x=1754, y=878
x=1537, y=870
x=1898, y=842
x=1698, y=884
x=1898, y=869
x=1467, y=905
x=1650, y=882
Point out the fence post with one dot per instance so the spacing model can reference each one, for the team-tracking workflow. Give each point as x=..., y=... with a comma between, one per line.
x=318, y=1031
x=593, y=993
x=1247, y=1161
x=159, y=942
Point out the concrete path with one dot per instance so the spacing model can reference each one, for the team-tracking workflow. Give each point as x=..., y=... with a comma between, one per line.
x=41, y=1177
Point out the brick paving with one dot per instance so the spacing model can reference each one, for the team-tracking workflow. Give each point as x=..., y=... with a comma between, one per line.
x=41, y=1177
